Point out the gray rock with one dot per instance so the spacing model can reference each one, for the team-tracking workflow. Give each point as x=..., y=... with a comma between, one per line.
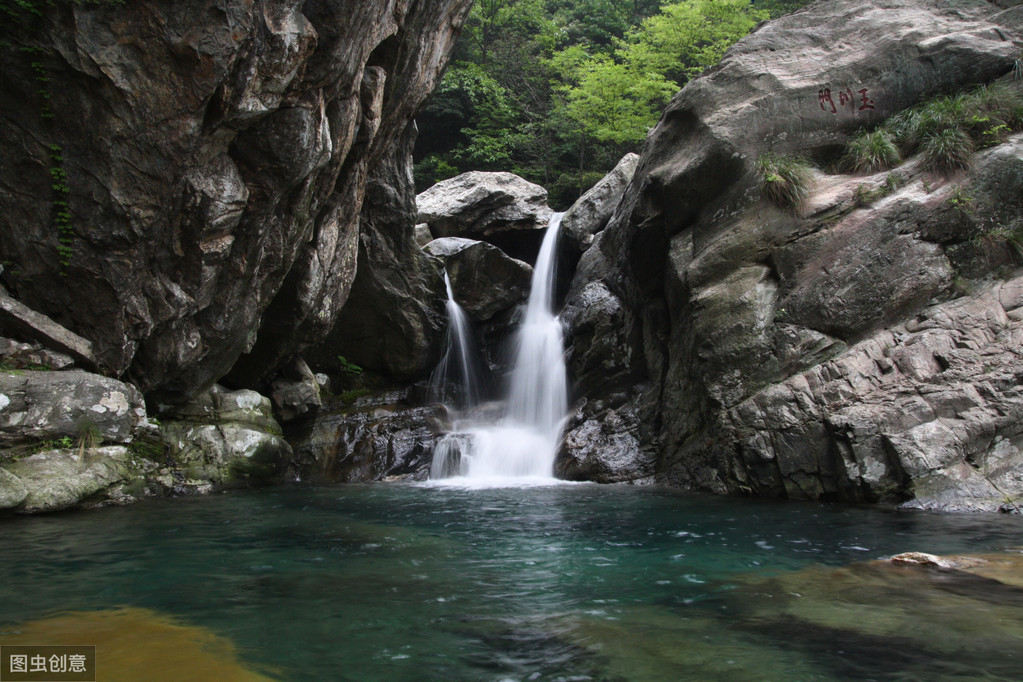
x=605, y=448
x=295, y=391
x=423, y=234
x=590, y=213
x=215, y=175
x=45, y=406
x=484, y=280
x=223, y=438
x=393, y=321
x=32, y=356
x=500, y=208
x=930, y=411
x=65, y=478
x=781, y=349
x=19, y=320
x=12, y=491
x=598, y=355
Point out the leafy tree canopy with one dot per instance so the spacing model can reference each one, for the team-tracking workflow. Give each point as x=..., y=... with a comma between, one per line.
x=558, y=90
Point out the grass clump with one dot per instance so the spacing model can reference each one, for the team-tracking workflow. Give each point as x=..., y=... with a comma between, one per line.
x=864, y=195
x=948, y=129
x=870, y=152
x=1011, y=236
x=947, y=151
x=786, y=180
x=960, y=198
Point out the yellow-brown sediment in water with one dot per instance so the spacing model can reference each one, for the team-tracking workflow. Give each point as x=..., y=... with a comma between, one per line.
x=138, y=644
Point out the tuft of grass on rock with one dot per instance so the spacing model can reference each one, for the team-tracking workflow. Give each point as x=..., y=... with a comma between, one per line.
x=947, y=151
x=870, y=152
x=786, y=180
x=946, y=130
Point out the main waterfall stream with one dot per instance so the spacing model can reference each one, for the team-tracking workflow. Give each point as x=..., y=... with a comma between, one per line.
x=520, y=446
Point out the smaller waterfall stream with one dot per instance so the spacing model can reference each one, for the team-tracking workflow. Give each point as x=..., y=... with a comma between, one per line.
x=456, y=381
x=523, y=443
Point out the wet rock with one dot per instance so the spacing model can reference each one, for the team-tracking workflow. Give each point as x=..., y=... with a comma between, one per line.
x=500, y=208
x=484, y=280
x=605, y=447
x=380, y=436
x=590, y=213
x=598, y=355
x=49, y=406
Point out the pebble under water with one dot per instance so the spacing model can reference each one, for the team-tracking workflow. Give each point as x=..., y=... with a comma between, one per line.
x=558, y=582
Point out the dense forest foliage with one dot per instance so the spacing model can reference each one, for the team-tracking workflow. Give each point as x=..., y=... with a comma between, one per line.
x=558, y=90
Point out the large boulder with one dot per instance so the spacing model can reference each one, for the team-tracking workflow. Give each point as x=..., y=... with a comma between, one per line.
x=221, y=438
x=64, y=478
x=484, y=280
x=500, y=208
x=213, y=157
x=38, y=406
x=725, y=299
x=590, y=213
x=931, y=409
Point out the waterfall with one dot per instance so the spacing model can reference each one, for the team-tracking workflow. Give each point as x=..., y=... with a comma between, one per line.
x=456, y=381
x=523, y=442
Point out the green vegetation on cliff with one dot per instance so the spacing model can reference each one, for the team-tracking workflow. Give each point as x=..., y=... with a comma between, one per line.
x=558, y=90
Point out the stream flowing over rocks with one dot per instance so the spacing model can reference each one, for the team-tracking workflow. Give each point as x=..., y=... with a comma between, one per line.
x=248, y=262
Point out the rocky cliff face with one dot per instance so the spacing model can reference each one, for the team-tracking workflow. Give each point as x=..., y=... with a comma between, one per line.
x=824, y=352
x=183, y=183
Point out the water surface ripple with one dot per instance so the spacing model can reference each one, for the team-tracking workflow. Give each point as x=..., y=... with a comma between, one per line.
x=560, y=582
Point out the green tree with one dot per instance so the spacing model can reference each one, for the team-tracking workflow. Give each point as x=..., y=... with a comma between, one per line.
x=615, y=102
x=689, y=36
x=557, y=90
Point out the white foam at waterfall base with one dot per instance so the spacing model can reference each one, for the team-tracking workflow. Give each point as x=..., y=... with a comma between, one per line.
x=519, y=449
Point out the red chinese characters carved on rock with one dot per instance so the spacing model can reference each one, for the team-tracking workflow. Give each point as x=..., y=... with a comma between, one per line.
x=846, y=99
